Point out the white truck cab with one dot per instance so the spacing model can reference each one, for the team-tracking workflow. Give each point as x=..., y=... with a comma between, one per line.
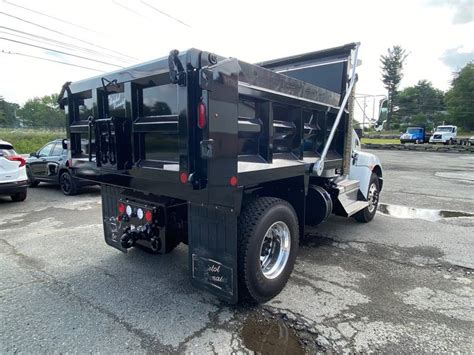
x=445, y=134
x=363, y=165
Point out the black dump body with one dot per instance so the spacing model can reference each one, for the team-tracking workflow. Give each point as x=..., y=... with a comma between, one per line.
x=193, y=135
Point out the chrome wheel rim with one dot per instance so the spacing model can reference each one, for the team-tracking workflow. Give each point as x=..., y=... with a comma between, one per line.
x=275, y=250
x=373, y=197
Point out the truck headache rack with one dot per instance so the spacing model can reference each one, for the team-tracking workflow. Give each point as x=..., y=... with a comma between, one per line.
x=183, y=143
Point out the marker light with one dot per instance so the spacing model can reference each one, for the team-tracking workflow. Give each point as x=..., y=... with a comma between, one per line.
x=129, y=210
x=183, y=177
x=121, y=208
x=140, y=213
x=201, y=122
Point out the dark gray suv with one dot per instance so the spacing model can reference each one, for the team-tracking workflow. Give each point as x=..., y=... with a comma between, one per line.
x=50, y=164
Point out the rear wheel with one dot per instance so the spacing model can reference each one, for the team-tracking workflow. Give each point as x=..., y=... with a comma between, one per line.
x=31, y=179
x=368, y=213
x=19, y=196
x=268, y=245
x=67, y=184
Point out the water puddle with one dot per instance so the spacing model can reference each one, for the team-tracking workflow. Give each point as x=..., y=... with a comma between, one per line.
x=269, y=336
x=419, y=213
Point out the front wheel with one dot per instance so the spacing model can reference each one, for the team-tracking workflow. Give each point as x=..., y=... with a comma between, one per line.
x=368, y=213
x=268, y=245
x=67, y=184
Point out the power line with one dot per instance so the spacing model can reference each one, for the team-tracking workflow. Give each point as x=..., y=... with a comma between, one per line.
x=130, y=10
x=42, y=39
x=164, y=13
x=50, y=60
x=61, y=52
x=63, y=34
x=49, y=16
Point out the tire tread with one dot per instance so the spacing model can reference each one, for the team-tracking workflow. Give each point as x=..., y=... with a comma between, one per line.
x=251, y=214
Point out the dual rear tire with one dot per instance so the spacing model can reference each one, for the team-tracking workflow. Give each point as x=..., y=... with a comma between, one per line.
x=268, y=245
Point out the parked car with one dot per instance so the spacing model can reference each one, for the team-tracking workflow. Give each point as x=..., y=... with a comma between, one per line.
x=49, y=164
x=13, y=179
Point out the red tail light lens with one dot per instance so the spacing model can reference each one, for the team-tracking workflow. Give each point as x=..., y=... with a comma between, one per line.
x=183, y=177
x=17, y=158
x=201, y=122
x=233, y=181
x=148, y=216
x=121, y=208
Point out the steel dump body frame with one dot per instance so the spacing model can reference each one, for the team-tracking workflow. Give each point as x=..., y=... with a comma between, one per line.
x=263, y=133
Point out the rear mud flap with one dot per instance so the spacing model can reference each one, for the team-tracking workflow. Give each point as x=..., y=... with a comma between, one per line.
x=112, y=227
x=213, y=250
x=112, y=233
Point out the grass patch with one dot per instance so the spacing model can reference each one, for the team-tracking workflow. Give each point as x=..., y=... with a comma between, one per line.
x=27, y=141
x=380, y=141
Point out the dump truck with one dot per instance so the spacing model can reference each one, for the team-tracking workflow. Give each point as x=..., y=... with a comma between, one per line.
x=415, y=134
x=230, y=158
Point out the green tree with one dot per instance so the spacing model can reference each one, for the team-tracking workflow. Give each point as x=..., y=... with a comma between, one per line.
x=8, y=113
x=392, y=66
x=460, y=98
x=42, y=112
x=420, y=104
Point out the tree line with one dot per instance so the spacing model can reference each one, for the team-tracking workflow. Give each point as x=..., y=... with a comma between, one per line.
x=418, y=104
x=39, y=112
x=423, y=103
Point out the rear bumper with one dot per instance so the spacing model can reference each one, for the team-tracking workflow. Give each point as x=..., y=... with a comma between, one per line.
x=10, y=188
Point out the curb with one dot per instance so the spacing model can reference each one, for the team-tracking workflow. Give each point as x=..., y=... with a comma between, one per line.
x=459, y=149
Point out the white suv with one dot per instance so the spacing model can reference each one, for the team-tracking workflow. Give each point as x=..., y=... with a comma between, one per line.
x=13, y=179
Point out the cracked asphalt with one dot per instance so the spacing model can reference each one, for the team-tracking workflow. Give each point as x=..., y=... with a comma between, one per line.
x=400, y=285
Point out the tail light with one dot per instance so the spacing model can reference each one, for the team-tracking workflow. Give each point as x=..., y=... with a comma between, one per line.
x=233, y=181
x=201, y=121
x=183, y=177
x=17, y=158
x=121, y=208
x=148, y=216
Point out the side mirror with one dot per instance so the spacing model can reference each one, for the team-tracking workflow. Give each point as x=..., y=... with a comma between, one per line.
x=34, y=154
x=64, y=143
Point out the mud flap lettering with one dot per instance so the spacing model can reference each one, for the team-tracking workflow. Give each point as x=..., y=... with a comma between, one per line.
x=213, y=274
x=112, y=232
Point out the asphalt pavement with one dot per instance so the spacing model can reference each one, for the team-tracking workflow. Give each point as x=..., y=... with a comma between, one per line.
x=402, y=283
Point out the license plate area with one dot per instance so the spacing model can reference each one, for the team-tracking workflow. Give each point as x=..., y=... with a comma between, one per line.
x=134, y=223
